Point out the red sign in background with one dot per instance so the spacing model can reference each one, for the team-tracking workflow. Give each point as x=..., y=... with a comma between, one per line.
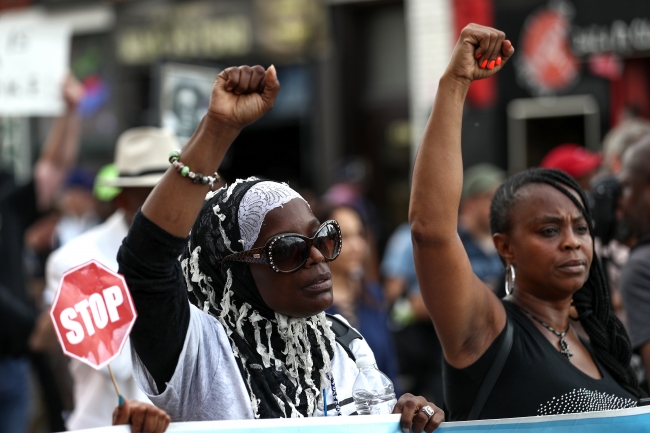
x=93, y=313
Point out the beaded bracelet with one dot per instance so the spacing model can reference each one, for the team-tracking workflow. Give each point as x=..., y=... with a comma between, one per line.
x=184, y=170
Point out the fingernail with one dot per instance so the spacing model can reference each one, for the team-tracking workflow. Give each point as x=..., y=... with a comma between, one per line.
x=492, y=62
x=484, y=64
x=405, y=430
x=499, y=61
x=478, y=56
x=120, y=400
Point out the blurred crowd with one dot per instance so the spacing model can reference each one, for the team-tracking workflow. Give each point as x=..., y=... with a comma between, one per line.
x=66, y=215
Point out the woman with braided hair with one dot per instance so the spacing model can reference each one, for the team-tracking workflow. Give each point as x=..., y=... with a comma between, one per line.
x=255, y=341
x=519, y=356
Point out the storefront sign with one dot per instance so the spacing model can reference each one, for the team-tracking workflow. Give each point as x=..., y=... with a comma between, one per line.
x=619, y=37
x=558, y=36
x=545, y=63
x=150, y=30
x=211, y=38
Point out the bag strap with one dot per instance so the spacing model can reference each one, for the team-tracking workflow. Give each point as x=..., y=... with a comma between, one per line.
x=492, y=375
x=345, y=334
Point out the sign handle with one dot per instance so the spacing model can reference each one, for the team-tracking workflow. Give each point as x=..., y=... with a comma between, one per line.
x=117, y=389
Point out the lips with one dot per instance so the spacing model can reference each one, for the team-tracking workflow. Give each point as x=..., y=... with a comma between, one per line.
x=574, y=266
x=321, y=282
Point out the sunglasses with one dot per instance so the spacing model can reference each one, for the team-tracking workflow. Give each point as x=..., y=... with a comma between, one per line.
x=289, y=252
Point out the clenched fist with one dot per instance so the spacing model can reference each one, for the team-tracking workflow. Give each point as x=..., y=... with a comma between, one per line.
x=242, y=94
x=73, y=92
x=479, y=53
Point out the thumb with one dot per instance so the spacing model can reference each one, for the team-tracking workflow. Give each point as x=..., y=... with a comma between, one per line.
x=122, y=413
x=272, y=85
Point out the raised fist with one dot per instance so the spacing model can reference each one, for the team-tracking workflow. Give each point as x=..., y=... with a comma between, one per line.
x=242, y=94
x=73, y=92
x=479, y=53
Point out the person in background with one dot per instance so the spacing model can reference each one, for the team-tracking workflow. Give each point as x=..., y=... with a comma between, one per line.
x=615, y=253
x=576, y=161
x=76, y=206
x=635, y=275
x=351, y=189
x=479, y=184
x=618, y=140
x=361, y=302
x=418, y=351
x=104, y=193
x=20, y=206
x=141, y=158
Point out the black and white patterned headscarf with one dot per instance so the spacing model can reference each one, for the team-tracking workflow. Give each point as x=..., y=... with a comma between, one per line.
x=284, y=361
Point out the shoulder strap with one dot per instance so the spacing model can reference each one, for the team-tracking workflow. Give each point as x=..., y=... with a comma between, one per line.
x=492, y=375
x=345, y=334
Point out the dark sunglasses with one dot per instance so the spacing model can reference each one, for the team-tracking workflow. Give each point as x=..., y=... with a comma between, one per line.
x=288, y=252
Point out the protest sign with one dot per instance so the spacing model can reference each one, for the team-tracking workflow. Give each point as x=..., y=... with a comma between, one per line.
x=93, y=313
x=34, y=56
x=635, y=420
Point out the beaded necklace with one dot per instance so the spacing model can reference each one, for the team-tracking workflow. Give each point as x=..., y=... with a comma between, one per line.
x=564, y=345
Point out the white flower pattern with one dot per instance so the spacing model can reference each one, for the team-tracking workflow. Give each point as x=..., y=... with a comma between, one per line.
x=584, y=400
x=259, y=200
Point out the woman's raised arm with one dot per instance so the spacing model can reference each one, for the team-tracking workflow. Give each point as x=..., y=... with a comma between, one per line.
x=467, y=315
x=148, y=257
x=240, y=96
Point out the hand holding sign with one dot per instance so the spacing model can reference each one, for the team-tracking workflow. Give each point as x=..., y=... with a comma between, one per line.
x=93, y=314
x=26, y=87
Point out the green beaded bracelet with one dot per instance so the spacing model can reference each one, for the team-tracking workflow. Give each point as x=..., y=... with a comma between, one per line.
x=184, y=170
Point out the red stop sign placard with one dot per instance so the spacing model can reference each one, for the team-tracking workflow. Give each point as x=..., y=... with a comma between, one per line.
x=93, y=313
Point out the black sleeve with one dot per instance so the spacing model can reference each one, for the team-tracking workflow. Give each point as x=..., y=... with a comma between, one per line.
x=20, y=318
x=148, y=259
x=24, y=199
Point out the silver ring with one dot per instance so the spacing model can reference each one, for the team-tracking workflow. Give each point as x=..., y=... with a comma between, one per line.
x=428, y=410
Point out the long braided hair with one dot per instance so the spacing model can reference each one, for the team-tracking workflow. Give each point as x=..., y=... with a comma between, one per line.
x=607, y=335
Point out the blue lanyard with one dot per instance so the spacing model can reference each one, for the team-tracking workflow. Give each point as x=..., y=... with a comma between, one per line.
x=336, y=398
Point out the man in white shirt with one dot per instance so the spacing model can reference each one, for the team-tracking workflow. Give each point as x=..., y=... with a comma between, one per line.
x=141, y=158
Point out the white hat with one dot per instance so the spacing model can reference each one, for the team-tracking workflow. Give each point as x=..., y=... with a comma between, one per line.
x=142, y=156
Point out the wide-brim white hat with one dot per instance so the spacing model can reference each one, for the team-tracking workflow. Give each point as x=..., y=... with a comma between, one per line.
x=142, y=156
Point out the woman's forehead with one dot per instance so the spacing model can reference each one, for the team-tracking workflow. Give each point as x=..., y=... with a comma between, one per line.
x=540, y=198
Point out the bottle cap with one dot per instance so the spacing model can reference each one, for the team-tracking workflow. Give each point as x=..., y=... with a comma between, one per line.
x=365, y=362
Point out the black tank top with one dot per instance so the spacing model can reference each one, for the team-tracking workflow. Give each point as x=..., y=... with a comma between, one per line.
x=536, y=380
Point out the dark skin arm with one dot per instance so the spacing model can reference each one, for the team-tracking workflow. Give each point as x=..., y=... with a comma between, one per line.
x=467, y=315
x=61, y=148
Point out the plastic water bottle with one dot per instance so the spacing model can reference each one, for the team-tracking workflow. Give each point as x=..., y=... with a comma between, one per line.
x=373, y=392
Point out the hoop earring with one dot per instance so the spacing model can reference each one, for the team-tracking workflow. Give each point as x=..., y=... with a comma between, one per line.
x=510, y=279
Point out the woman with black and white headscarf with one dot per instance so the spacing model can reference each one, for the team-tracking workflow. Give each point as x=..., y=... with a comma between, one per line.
x=255, y=342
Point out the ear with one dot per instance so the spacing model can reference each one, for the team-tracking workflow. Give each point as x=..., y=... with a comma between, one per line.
x=504, y=247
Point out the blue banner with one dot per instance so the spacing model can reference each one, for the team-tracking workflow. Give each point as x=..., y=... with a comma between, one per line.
x=636, y=420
